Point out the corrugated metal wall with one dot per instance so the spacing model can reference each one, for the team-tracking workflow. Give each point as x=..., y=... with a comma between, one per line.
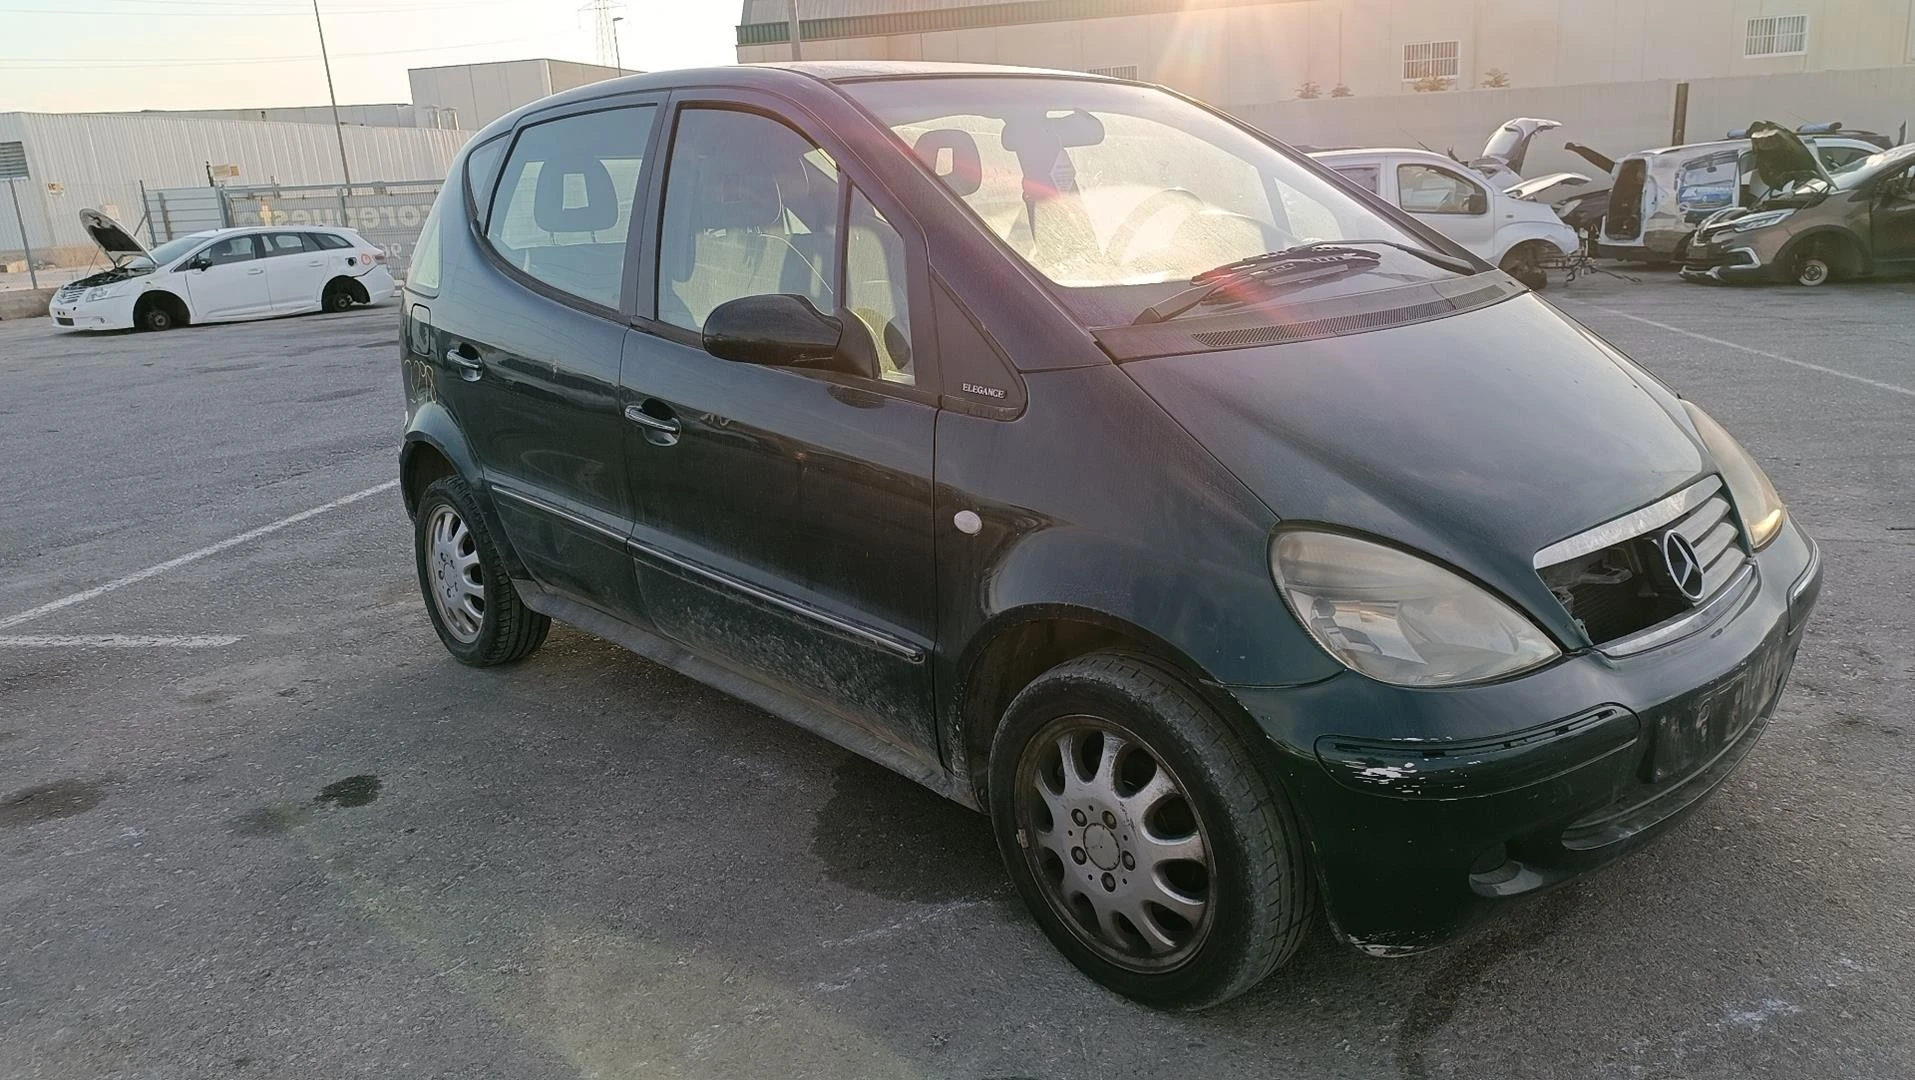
x=99, y=160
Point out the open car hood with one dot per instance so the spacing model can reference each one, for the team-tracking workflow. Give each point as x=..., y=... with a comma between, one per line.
x=1510, y=143
x=1781, y=156
x=114, y=239
x=1530, y=189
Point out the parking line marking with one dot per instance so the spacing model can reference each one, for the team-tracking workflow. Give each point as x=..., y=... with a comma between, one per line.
x=190, y=557
x=116, y=641
x=1863, y=379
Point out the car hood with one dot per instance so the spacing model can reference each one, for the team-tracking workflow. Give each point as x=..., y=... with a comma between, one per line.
x=1479, y=438
x=1531, y=189
x=114, y=239
x=1782, y=156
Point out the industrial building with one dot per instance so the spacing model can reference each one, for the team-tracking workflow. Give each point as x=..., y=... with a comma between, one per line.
x=107, y=160
x=1261, y=51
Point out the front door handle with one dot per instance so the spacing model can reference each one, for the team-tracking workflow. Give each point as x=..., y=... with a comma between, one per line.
x=256, y=270
x=470, y=366
x=659, y=430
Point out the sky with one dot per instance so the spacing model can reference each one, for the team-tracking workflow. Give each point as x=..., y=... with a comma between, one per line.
x=112, y=55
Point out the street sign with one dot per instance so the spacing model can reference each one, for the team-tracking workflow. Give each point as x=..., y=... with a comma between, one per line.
x=222, y=172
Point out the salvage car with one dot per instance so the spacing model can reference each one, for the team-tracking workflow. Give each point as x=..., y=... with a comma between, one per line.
x=1814, y=226
x=1241, y=546
x=1508, y=230
x=221, y=275
x=1657, y=198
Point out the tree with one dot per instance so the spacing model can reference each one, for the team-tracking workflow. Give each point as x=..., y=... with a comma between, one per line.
x=1340, y=90
x=1496, y=79
x=1309, y=91
x=1430, y=84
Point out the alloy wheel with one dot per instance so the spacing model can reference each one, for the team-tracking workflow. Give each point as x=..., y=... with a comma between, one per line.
x=456, y=581
x=1115, y=843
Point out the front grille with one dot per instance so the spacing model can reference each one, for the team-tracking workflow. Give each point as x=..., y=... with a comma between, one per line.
x=1624, y=586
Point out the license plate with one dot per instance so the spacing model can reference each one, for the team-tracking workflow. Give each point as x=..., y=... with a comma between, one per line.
x=1696, y=728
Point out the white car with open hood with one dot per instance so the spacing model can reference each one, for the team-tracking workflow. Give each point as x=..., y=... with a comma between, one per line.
x=221, y=276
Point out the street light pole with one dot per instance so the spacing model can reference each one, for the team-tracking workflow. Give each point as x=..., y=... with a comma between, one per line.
x=616, y=59
x=796, y=54
x=345, y=167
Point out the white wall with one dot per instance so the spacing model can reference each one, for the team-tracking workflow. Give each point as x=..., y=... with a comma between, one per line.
x=99, y=160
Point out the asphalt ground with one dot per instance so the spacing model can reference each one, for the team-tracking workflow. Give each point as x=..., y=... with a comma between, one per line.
x=254, y=822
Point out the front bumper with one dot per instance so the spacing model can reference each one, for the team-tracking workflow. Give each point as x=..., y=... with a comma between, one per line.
x=1427, y=809
x=114, y=313
x=1731, y=261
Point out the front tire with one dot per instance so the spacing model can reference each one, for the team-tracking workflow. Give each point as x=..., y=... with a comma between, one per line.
x=469, y=596
x=156, y=318
x=1524, y=263
x=1812, y=269
x=1142, y=836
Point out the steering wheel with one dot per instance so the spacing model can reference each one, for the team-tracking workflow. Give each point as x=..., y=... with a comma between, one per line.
x=1126, y=233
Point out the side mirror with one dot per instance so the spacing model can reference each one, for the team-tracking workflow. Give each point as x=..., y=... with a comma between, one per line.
x=785, y=330
x=1896, y=189
x=1477, y=203
x=198, y=262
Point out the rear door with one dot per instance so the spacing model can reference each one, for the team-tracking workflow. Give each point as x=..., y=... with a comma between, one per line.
x=784, y=517
x=295, y=271
x=1450, y=202
x=529, y=336
x=231, y=283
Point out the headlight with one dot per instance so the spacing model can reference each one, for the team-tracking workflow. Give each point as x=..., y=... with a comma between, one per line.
x=1762, y=509
x=103, y=292
x=1760, y=221
x=1400, y=619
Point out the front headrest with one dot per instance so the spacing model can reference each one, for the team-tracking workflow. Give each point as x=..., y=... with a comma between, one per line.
x=963, y=171
x=586, y=204
x=738, y=198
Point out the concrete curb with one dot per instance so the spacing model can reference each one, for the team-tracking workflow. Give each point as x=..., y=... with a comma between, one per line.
x=25, y=303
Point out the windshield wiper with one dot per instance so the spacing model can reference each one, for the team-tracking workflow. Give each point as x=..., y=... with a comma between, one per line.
x=1294, y=265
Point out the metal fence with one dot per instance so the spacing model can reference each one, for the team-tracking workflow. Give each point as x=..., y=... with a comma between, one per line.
x=389, y=213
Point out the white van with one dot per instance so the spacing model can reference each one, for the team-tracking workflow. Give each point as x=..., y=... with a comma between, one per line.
x=1514, y=233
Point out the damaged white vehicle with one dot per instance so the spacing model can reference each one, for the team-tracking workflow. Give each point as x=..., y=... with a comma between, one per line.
x=223, y=275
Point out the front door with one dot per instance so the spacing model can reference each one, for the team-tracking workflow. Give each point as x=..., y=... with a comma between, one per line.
x=295, y=271
x=529, y=345
x=1449, y=202
x=231, y=284
x=1892, y=220
x=784, y=518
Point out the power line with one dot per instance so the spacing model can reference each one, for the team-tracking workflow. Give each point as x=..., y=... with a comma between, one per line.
x=191, y=61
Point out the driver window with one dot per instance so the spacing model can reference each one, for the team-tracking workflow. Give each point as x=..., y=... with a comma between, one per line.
x=1427, y=189
x=751, y=208
x=231, y=250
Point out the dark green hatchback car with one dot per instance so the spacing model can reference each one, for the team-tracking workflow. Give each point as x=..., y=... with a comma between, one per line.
x=1240, y=546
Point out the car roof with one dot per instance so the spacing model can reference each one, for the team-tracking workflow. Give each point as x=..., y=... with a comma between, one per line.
x=1332, y=157
x=794, y=77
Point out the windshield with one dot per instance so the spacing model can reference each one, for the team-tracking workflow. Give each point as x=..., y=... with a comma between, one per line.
x=1119, y=194
x=1862, y=170
x=173, y=249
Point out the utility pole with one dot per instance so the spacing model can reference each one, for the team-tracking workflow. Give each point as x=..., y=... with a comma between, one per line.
x=345, y=167
x=796, y=53
x=616, y=60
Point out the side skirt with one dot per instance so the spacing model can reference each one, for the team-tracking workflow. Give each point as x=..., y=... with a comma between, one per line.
x=819, y=721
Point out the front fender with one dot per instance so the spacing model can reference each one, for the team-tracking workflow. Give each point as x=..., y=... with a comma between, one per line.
x=1854, y=245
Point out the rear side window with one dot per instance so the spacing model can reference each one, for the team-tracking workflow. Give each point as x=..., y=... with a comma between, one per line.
x=565, y=197
x=423, y=274
x=481, y=169
x=1364, y=176
x=331, y=240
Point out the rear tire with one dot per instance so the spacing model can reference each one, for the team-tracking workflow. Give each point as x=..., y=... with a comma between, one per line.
x=469, y=596
x=1179, y=880
x=337, y=299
